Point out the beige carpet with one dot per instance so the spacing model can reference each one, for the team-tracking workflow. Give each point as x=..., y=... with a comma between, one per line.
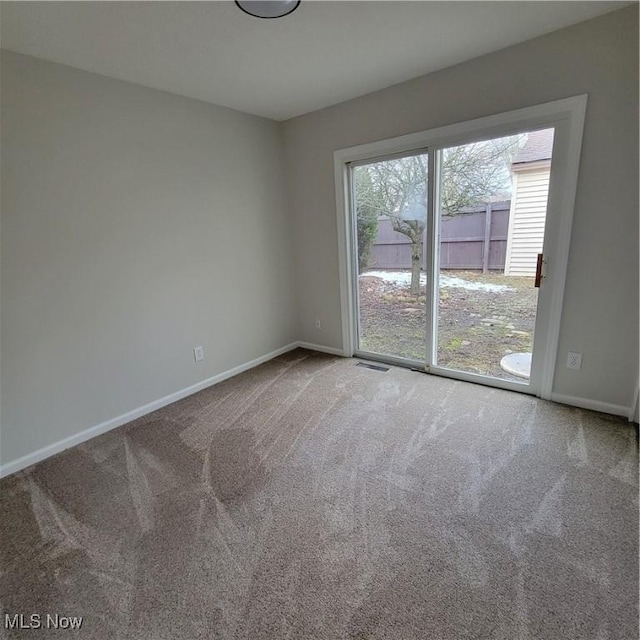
x=311, y=498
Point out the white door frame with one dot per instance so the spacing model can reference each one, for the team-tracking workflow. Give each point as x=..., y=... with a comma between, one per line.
x=567, y=117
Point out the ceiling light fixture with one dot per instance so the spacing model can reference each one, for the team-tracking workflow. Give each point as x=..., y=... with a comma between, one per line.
x=268, y=8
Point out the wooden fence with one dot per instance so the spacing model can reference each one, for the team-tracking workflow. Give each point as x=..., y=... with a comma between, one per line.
x=475, y=238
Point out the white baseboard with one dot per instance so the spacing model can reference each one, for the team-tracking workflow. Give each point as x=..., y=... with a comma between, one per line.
x=77, y=438
x=593, y=405
x=633, y=411
x=103, y=427
x=319, y=347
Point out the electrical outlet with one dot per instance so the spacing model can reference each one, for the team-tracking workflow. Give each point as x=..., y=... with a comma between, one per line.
x=198, y=354
x=574, y=360
x=318, y=325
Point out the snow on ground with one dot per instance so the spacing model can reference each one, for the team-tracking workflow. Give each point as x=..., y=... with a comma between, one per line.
x=404, y=278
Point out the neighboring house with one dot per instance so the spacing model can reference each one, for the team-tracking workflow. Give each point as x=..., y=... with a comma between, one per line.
x=530, y=172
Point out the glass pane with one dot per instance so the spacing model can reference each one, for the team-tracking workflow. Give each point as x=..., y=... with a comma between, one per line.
x=492, y=204
x=390, y=199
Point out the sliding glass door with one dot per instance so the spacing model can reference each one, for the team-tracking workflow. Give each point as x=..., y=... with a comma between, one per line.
x=491, y=214
x=448, y=247
x=390, y=215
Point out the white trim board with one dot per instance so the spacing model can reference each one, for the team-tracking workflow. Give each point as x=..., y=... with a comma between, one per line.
x=321, y=348
x=634, y=405
x=593, y=405
x=567, y=117
x=108, y=425
x=78, y=438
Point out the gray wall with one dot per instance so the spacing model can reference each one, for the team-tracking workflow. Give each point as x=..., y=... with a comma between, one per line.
x=122, y=212
x=598, y=57
x=123, y=209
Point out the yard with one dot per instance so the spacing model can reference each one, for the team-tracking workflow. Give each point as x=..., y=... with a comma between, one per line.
x=482, y=317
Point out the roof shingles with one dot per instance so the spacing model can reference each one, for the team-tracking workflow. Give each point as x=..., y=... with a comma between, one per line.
x=538, y=146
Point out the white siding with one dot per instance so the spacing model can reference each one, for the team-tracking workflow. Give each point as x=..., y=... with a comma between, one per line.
x=527, y=220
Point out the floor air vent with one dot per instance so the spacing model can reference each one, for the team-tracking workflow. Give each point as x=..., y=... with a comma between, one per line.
x=375, y=367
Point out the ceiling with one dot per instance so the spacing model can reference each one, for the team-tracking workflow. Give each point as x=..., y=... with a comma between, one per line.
x=322, y=54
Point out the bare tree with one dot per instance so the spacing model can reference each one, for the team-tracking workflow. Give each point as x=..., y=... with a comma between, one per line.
x=474, y=173
x=397, y=188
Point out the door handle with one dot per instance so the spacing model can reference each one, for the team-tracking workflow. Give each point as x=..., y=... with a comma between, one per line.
x=539, y=275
